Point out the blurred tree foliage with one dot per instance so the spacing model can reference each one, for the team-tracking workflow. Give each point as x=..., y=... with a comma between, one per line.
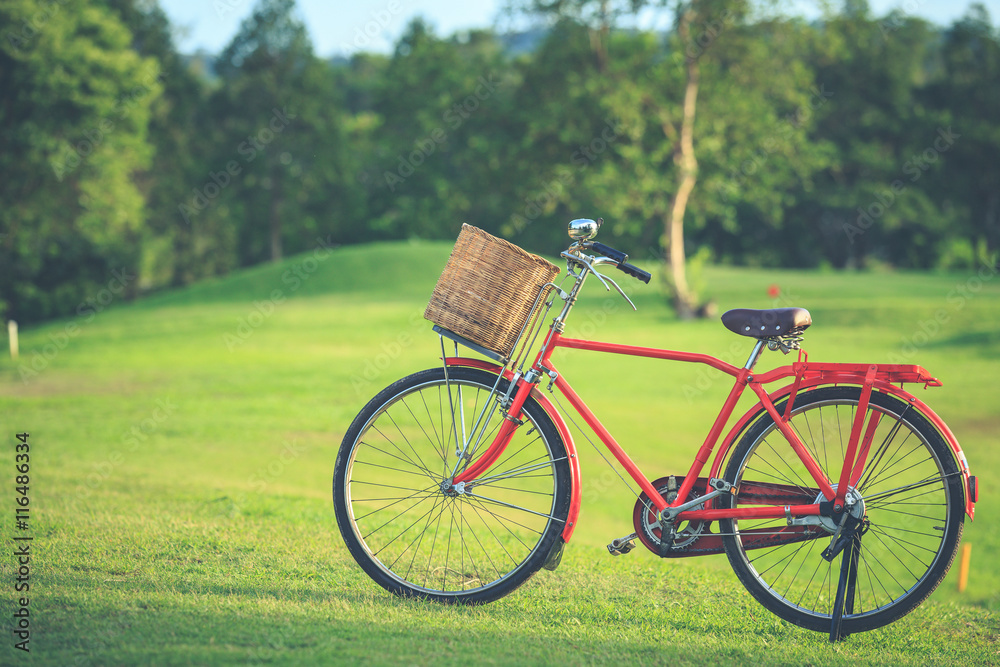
x=851, y=141
x=966, y=97
x=74, y=118
x=279, y=172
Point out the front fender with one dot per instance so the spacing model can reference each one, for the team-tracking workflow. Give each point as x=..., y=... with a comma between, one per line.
x=885, y=387
x=560, y=423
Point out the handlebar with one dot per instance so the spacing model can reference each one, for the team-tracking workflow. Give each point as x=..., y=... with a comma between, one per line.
x=608, y=251
x=635, y=271
x=620, y=259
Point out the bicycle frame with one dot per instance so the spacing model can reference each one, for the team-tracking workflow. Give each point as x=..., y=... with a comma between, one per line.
x=805, y=375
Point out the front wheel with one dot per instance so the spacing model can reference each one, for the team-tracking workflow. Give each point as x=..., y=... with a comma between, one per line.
x=909, y=496
x=409, y=529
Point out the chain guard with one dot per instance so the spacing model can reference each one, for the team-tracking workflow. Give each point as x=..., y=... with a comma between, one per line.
x=695, y=538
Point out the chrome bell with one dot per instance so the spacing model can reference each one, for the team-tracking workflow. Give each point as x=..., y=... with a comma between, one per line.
x=583, y=229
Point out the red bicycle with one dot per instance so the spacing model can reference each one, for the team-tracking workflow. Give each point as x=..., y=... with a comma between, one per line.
x=839, y=498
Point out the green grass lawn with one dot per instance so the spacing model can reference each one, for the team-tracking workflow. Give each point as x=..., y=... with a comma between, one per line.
x=182, y=448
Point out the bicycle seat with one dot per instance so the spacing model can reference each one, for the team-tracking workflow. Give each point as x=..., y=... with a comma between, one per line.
x=767, y=323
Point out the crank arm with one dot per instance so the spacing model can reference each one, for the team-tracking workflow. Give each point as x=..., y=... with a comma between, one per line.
x=668, y=515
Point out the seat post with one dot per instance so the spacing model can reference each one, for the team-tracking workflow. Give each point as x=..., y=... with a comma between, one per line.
x=755, y=354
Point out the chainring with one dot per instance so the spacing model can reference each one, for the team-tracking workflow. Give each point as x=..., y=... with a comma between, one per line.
x=647, y=524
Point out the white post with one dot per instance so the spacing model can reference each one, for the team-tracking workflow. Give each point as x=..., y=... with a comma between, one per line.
x=12, y=332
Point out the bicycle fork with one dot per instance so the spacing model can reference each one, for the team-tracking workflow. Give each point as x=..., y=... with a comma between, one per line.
x=511, y=414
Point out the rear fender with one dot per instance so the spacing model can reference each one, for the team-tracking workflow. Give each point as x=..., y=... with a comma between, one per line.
x=560, y=423
x=882, y=386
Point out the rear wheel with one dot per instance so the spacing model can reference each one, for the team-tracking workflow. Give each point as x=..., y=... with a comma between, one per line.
x=910, y=494
x=410, y=530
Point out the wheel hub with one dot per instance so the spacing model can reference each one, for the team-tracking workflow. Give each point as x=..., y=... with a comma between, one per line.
x=854, y=504
x=452, y=490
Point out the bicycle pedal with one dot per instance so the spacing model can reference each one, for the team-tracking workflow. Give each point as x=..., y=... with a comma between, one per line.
x=622, y=545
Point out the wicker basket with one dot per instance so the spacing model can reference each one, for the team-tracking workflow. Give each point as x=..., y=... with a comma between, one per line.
x=487, y=290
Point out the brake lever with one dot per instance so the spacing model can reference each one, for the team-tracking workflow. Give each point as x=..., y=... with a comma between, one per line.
x=602, y=277
x=571, y=259
x=582, y=259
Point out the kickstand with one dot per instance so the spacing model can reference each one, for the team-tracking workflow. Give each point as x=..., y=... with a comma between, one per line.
x=844, y=604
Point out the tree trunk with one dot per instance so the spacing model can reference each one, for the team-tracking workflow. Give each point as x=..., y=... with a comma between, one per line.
x=992, y=225
x=180, y=274
x=684, y=300
x=274, y=219
x=599, y=39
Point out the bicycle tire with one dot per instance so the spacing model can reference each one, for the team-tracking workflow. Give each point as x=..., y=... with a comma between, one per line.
x=415, y=539
x=915, y=502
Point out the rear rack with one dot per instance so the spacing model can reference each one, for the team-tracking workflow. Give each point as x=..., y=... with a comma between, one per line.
x=891, y=373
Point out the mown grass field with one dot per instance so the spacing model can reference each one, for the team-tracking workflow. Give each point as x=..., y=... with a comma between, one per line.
x=182, y=448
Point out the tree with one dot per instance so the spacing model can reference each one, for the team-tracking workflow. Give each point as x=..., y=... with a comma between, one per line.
x=868, y=202
x=758, y=154
x=262, y=74
x=173, y=251
x=73, y=120
x=443, y=120
x=644, y=92
x=966, y=95
x=281, y=173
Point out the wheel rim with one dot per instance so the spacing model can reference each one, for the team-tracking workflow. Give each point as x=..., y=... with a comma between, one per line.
x=414, y=526
x=906, y=500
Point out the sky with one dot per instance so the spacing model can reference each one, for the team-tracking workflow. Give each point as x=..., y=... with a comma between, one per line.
x=344, y=28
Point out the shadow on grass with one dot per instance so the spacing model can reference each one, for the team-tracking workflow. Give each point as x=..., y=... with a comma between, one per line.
x=984, y=343
x=586, y=615
x=342, y=628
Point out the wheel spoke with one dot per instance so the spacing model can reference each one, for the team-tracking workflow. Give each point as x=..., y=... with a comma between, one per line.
x=402, y=532
x=499, y=542
x=510, y=526
x=516, y=472
x=403, y=456
x=420, y=536
x=915, y=485
x=424, y=496
x=481, y=499
x=420, y=463
x=421, y=473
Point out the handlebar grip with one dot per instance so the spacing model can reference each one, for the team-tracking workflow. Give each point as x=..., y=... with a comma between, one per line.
x=609, y=252
x=635, y=271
